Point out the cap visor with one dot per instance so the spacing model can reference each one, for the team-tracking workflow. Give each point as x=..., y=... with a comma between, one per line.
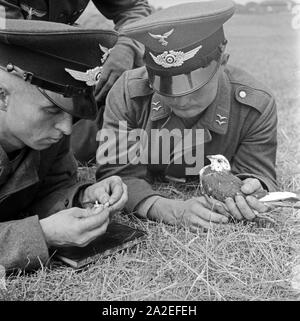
x=183, y=84
x=81, y=106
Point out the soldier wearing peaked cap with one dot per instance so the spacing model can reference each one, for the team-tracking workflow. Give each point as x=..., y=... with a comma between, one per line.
x=127, y=53
x=41, y=202
x=186, y=84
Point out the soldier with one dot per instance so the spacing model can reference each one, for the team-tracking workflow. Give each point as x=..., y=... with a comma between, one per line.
x=186, y=84
x=127, y=53
x=41, y=202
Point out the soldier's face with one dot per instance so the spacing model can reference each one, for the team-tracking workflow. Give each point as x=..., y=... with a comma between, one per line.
x=195, y=103
x=34, y=121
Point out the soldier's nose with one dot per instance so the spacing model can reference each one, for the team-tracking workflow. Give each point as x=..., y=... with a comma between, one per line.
x=65, y=124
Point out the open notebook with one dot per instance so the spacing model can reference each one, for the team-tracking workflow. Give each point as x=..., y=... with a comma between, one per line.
x=117, y=237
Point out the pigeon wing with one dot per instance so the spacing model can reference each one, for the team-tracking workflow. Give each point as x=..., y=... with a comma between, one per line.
x=221, y=185
x=279, y=196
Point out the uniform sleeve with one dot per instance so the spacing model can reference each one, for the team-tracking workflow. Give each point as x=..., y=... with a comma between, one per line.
x=22, y=244
x=123, y=12
x=11, y=8
x=119, y=108
x=256, y=155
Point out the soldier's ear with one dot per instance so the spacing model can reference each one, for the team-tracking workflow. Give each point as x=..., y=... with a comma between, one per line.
x=3, y=98
x=224, y=59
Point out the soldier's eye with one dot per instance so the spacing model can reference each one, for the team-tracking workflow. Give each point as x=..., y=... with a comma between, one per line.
x=52, y=110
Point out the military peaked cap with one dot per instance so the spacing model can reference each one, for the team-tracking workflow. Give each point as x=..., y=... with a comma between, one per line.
x=63, y=61
x=183, y=44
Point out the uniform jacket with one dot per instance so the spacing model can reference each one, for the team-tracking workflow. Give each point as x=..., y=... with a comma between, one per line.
x=43, y=183
x=68, y=11
x=240, y=124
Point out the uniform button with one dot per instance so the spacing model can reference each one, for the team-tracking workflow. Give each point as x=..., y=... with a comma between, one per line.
x=242, y=94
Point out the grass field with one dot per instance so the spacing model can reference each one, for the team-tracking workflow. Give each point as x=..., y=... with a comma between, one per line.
x=232, y=262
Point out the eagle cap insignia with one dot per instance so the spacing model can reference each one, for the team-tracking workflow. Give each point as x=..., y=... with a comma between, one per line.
x=106, y=53
x=32, y=12
x=161, y=38
x=90, y=77
x=173, y=58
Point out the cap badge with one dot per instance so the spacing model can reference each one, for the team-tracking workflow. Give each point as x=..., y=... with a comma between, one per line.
x=161, y=38
x=91, y=76
x=106, y=53
x=32, y=12
x=173, y=58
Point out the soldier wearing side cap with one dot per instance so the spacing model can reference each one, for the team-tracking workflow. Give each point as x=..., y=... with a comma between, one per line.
x=42, y=205
x=187, y=84
x=127, y=53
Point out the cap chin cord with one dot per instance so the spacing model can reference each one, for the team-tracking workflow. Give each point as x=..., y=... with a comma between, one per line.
x=66, y=91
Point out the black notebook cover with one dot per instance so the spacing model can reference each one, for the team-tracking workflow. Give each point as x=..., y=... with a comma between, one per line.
x=117, y=237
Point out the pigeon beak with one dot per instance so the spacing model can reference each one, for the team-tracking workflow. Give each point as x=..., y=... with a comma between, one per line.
x=210, y=157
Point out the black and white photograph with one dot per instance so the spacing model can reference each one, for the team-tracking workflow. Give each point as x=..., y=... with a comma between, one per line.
x=149, y=153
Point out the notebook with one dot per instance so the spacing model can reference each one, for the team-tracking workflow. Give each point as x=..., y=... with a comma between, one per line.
x=117, y=237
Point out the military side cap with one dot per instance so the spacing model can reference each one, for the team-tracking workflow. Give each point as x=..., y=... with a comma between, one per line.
x=183, y=44
x=63, y=61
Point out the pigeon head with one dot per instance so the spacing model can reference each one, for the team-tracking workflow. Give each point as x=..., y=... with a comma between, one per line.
x=219, y=163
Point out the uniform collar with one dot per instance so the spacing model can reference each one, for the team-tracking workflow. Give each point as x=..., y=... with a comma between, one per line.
x=215, y=117
x=158, y=110
x=25, y=175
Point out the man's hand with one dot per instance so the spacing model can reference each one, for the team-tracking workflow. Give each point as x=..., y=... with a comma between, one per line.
x=111, y=191
x=243, y=207
x=119, y=60
x=74, y=226
x=195, y=212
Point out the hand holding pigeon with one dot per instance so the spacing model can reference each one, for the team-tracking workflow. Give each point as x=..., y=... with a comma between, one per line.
x=243, y=199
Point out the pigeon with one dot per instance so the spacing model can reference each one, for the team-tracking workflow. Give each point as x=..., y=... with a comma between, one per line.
x=217, y=181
